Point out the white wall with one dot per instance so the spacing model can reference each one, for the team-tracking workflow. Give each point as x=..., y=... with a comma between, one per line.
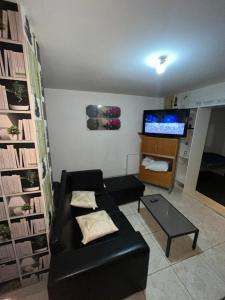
x=74, y=147
x=197, y=146
x=211, y=95
x=215, y=140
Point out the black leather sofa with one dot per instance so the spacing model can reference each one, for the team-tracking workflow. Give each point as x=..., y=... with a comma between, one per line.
x=112, y=267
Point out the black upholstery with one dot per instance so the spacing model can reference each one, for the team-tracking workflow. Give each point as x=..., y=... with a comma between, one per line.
x=124, y=189
x=112, y=267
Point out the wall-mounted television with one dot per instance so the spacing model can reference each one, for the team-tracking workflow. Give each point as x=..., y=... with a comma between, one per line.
x=166, y=122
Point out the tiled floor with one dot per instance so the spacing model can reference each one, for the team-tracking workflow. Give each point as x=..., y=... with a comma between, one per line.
x=187, y=274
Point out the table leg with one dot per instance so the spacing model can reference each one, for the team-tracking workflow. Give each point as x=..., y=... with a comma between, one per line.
x=139, y=203
x=195, y=239
x=168, y=246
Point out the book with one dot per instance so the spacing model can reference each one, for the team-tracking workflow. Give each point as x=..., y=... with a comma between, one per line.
x=12, y=25
x=2, y=66
x=14, y=65
x=12, y=184
x=2, y=211
x=5, y=24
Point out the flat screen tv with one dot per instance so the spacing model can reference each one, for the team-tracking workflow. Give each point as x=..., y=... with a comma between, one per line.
x=166, y=123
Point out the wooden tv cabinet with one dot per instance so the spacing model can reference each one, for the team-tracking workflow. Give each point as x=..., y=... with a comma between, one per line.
x=160, y=149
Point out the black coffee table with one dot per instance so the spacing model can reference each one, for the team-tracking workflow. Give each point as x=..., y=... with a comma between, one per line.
x=173, y=223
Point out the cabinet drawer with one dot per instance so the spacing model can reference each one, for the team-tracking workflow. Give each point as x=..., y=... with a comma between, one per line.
x=149, y=144
x=167, y=146
x=164, y=179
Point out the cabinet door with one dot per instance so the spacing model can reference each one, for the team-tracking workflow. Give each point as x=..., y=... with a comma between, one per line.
x=167, y=146
x=149, y=144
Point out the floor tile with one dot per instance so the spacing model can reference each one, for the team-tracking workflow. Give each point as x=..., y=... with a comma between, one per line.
x=200, y=280
x=157, y=258
x=164, y=285
x=137, y=296
x=181, y=247
x=148, y=221
x=135, y=221
x=215, y=258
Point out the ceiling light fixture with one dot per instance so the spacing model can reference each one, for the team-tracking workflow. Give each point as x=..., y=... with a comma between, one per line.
x=160, y=62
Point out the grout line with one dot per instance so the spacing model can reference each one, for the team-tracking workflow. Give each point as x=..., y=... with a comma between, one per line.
x=182, y=283
x=155, y=272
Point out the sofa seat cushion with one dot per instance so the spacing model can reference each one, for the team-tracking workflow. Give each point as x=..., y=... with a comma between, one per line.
x=71, y=235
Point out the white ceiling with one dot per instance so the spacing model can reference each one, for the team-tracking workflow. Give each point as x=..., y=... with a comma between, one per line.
x=101, y=45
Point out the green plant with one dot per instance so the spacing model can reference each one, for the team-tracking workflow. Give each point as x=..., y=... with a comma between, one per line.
x=4, y=232
x=31, y=177
x=18, y=90
x=13, y=130
x=26, y=207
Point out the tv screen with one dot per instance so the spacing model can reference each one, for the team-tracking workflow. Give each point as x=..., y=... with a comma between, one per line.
x=166, y=123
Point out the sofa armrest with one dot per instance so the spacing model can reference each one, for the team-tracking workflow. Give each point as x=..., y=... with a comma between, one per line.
x=71, y=263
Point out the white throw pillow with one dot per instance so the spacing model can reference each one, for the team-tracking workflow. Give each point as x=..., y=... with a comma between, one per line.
x=146, y=161
x=158, y=166
x=95, y=225
x=83, y=199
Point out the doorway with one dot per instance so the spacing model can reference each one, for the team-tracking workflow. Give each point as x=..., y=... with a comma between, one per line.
x=211, y=179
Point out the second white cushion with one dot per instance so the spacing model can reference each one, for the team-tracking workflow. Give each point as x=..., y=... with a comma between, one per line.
x=95, y=225
x=83, y=199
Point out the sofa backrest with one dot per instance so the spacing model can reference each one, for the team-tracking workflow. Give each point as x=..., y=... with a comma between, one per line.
x=88, y=180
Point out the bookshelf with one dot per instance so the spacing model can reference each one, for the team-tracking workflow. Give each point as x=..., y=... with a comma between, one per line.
x=25, y=179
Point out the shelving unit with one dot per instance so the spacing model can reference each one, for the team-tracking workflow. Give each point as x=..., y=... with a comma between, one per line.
x=11, y=266
x=184, y=150
x=160, y=149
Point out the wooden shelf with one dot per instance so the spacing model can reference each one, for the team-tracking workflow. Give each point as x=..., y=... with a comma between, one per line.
x=34, y=254
x=12, y=78
x=3, y=220
x=8, y=111
x=22, y=193
x=29, y=236
x=15, y=142
x=7, y=261
x=18, y=169
x=162, y=149
x=8, y=41
x=26, y=216
x=5, y=242
x=158, y=155
x=34, y=272
x=7, y=280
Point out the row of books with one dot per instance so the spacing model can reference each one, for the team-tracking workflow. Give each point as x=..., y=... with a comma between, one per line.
x=37, y=205
x=25, y=228
x=12, y=64
x=9, y=158
x=8, y=272
x=11, y=25
x=11, y=184
x=6, y=252
x=2, y=211
x=26, y=129
x=43, y=262
x=3, y=98
x=24, y=249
